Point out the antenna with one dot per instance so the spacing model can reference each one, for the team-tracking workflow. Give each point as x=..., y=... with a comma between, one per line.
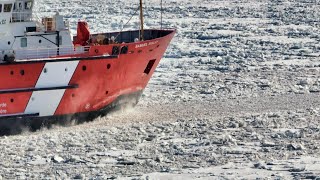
x=141, y=21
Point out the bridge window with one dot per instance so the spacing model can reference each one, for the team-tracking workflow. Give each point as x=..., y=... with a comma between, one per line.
x=7, y=8
x=28, y=5
x=17, y=6
x=24, y=42
x=0, y=8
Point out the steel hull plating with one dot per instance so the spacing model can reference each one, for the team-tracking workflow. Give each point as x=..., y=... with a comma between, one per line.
x=68, y=85
x=16, y=124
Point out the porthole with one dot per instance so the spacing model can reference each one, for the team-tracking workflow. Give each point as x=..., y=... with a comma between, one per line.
x=140, y=51
x=66, y=69
x=40, y=41
x=107, y=92
x=9, y=42
x=11, y=100
x=45, y=70
x=108, y=66
x=11, y=72
x=84, y=68
x=73, y=95
x=22, y=72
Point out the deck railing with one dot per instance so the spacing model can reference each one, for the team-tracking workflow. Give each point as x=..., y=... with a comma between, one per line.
x=46, y=24
x=45, y=53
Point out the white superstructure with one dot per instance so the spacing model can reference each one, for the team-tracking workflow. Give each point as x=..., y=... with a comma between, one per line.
x=21, y=37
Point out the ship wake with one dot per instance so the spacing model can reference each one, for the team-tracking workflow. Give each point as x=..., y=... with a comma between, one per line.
x=16, y=126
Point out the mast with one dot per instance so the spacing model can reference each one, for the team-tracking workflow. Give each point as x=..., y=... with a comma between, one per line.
x=161, y=13
x=141, y=21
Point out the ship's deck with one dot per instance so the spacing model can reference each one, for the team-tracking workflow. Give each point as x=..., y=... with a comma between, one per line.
x=56, y=53
x=130, y=36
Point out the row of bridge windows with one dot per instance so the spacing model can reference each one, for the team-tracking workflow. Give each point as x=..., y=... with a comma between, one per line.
x=20, y=5
x=16, y=6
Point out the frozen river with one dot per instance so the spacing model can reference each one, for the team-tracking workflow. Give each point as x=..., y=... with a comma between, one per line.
x=236, y=96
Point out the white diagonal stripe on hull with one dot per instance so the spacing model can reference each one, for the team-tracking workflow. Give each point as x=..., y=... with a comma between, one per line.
x=44, y=102
x=57, y=74
x=54, y=74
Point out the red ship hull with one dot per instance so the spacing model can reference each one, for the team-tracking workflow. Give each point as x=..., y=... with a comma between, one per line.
x=90, y=82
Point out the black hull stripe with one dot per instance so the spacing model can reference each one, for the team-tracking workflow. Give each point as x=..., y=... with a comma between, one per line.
x=19, y=116
x=7, y=91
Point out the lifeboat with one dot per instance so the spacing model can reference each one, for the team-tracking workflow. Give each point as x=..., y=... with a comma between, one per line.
x=47, y=74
